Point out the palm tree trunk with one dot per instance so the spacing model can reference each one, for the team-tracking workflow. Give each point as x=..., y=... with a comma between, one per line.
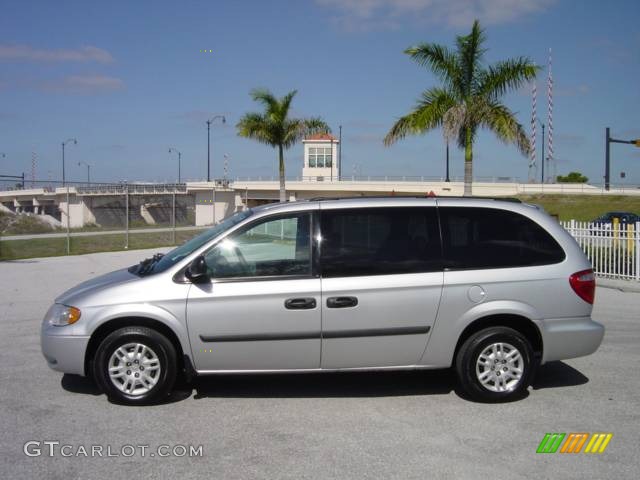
x=283, y=192
x=468, y=163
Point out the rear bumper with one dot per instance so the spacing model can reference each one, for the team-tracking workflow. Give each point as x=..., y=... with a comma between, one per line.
x=564, y=338
x=64, y=353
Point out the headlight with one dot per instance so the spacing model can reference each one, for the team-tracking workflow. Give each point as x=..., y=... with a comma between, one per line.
x=61, y=315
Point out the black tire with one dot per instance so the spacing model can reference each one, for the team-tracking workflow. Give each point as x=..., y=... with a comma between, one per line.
x=159, y=345
x=467, y=358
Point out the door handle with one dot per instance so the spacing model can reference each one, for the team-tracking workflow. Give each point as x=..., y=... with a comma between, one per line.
x=300, y=303
x=341, y=302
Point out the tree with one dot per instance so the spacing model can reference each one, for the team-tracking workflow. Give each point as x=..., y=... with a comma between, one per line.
x=469, y=98
x=572, y=177
x=274, y=127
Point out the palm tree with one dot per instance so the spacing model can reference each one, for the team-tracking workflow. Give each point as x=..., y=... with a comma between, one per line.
x=469, y=97
x=275, y=128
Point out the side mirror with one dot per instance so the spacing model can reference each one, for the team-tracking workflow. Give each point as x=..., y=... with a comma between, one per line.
x=197, y=271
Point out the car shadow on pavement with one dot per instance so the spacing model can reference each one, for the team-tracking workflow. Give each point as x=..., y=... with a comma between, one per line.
x=86, y=386
x=557, y=374
x=78, y=384
x=351, y=384
x=342, y=384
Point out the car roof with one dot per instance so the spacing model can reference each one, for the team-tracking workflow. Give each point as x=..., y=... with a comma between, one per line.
x=387, y=200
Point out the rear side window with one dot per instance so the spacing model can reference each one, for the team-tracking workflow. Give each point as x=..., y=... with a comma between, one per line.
x=476, y=238
x=380, y=241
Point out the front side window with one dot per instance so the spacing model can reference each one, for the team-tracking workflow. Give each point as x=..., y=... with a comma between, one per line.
x=275, y=246
x=380, y=241
x=476, y=238
x=179, y=253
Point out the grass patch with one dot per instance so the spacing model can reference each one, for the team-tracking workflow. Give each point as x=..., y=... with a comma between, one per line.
x=18, y=224
x=583, y=207
x=53, y=247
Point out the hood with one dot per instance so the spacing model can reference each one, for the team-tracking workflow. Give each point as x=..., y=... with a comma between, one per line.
x=97, y=284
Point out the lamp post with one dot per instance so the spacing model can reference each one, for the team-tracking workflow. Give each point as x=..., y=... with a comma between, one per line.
x=88, y=171
x=447, y=179
x=175, y=150
x=339, y=163
x=209, y=122
x=75, y=142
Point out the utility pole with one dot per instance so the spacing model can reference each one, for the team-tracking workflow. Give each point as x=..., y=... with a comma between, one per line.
x=447, y=179
x=88, y=171
x=75, y=142
x=339, y=152
x=607, y=157
x=171, y=149
x=209, y=122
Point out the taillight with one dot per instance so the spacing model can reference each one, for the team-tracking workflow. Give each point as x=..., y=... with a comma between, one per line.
x=584, y=284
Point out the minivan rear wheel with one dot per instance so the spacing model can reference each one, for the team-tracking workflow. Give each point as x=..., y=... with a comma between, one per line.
x=135, y=365
x=495, y=364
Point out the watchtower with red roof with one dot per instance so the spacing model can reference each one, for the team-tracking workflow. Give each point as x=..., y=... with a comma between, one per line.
x=320, y=158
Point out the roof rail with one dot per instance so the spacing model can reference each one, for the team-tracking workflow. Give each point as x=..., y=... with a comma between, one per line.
x=376, y=197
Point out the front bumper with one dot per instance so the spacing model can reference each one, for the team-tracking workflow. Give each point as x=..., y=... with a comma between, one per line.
x=64, y=353
x=564, y=338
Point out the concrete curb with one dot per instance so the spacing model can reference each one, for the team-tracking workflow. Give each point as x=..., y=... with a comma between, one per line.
x=622, y=285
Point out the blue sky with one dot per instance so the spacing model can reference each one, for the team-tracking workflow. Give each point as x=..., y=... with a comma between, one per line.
x=128, y=80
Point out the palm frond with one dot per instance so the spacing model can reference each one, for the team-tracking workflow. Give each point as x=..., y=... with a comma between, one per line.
x=427, y=115
x=470, y=53
x=442, y=61
x=502, y=121
x=506, y=75
x=285, y=104
x=257, y=127
x=266, y=98
x=299, y=128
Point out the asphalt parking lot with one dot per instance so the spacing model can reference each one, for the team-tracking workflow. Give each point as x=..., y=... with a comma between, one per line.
x=335, y=426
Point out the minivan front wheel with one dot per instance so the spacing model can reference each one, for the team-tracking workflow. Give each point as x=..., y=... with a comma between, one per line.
x=495, y=364
x=135, y=365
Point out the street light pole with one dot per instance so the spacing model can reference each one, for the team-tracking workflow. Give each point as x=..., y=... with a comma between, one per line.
x=447, y=179
x=75, y=142
x=88, y=170
x=209, y=122
x=171, y=149
x=340, y=153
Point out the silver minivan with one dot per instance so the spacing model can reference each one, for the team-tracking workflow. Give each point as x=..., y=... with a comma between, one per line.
x=493, y=288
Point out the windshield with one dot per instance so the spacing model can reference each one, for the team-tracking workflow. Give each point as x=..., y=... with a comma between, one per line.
x=184, y=250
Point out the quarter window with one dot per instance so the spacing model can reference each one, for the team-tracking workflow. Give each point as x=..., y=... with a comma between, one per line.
x=380, y=241
x=477, y=238
x=273, y=247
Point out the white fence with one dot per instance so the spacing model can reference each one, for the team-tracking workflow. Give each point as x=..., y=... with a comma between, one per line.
x=612, y=248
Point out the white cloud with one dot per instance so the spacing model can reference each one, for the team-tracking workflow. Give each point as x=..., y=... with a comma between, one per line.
x=83, y=84
x=83, y=54
x=356, y=15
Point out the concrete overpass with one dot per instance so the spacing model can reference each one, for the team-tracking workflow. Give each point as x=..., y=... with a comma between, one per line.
x=205, y=203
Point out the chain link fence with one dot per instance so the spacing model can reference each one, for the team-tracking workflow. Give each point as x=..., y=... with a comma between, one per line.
x=46, y=218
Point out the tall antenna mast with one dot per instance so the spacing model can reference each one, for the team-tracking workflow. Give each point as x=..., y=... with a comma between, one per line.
x=34, y=159
x=534, y=118
x=550, y=116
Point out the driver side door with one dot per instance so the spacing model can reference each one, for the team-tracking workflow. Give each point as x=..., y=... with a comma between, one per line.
x=260, y=309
